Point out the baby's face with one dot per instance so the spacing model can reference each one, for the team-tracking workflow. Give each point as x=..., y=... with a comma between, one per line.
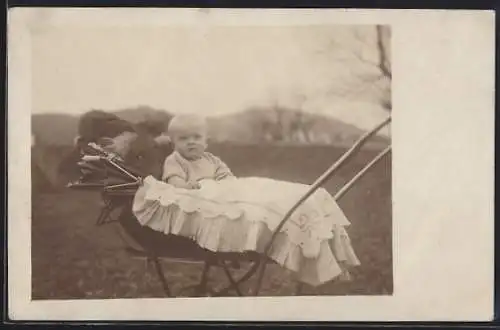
x=190, y=142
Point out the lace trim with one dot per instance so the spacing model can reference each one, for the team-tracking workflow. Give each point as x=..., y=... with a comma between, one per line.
x=310, y=247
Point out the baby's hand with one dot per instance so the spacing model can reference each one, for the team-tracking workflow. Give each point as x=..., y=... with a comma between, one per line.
x=180, y=183
x=193, y=185
x=225, y=177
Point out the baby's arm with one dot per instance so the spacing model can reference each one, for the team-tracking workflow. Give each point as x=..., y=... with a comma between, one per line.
x=222, y=172
x=174, y=174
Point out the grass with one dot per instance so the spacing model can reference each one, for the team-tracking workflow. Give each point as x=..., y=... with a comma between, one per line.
x=72, y=258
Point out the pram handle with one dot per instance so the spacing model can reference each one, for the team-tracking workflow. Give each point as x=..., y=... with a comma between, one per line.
x=90, y=158
x=315, y=186
x=81, y=185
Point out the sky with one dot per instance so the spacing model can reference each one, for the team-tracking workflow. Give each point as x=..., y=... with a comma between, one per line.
x=213, y=70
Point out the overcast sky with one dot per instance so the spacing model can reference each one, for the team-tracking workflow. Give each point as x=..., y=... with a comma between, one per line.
x=217, y=70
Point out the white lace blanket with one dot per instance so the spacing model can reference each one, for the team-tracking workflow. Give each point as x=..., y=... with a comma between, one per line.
x=240, y=215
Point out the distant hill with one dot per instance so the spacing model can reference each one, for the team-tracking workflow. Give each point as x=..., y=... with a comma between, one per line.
x=143, y=113
x=61, y=129
x=250, y=126
x=286, y=126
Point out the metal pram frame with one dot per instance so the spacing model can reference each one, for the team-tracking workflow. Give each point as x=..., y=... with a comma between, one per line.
x=155, y=246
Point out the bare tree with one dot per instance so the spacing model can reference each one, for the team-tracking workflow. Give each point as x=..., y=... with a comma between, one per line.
x=277, y=123
x=375, y=77
x=383, y=46
x=288, y=123
x=284, y=121
x=300, y=123
x=367, y=57
x=384, y=62
x=278, y=126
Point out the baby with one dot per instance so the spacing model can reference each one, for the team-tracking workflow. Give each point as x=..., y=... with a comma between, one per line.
x=190, y=163
x=252, y=200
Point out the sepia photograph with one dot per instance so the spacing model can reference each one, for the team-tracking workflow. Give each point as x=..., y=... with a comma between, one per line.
x=211, y=161
x=210, y=164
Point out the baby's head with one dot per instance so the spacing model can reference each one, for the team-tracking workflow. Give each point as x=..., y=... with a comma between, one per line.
x=189, y=135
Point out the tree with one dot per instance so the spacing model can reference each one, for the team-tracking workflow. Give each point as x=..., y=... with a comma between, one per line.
x=301, y=125
x=375, y=74
x=384, y=62
x=279, y=123
x=282, y=123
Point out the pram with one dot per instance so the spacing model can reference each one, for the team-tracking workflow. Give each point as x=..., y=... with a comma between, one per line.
x=118, y=183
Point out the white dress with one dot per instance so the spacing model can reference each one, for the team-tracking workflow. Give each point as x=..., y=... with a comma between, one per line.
x=240, y=214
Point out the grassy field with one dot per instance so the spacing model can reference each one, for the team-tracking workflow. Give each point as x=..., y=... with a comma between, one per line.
x=72, y=258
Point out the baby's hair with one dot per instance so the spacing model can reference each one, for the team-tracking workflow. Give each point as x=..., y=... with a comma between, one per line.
x=180, y=122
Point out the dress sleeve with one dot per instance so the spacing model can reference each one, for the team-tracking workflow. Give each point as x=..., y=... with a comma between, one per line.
x=172, y=168
x=222, y=170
